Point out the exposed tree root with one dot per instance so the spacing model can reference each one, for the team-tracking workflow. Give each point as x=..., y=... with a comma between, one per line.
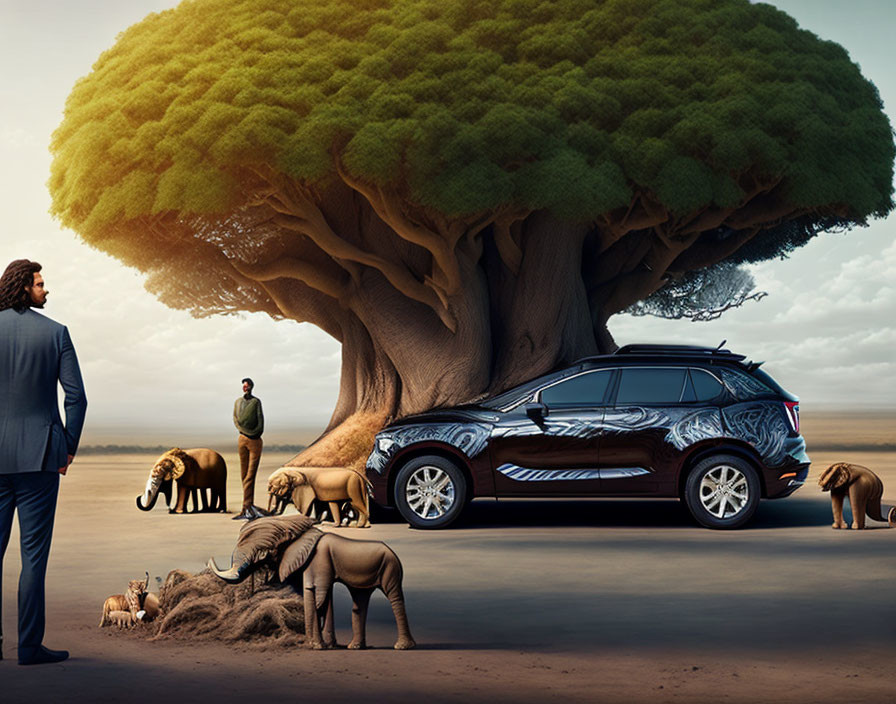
x=347, y=445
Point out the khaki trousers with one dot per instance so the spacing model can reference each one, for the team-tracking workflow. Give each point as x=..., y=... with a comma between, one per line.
x=250, y=453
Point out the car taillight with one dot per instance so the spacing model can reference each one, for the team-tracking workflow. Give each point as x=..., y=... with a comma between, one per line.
x=792, y=409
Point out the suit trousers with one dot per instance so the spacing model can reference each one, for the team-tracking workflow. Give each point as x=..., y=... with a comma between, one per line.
x=34, y=495
x=250, y=453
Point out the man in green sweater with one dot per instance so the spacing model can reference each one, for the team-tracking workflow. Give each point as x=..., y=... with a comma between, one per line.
x=249, y=420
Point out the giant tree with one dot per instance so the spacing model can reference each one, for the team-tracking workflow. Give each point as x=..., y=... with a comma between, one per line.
x=462, y=192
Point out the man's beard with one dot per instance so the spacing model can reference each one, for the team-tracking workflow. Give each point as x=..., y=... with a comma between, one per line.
x=37, y=305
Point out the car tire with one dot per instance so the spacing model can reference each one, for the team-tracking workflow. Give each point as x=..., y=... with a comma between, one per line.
x=430, y=492
x=722, y=492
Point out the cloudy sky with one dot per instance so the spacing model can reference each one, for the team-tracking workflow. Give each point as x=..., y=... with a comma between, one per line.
x=827, y=330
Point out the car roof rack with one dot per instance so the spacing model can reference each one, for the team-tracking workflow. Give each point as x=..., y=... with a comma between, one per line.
x=690, y=351
x=687, y=350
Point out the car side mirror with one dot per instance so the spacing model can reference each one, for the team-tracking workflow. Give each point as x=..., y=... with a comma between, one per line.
x=536, y=412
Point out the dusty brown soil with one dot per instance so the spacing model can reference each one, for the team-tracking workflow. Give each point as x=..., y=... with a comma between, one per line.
x=606, y=601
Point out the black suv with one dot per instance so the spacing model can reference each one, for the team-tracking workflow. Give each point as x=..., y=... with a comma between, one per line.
x=697, y=423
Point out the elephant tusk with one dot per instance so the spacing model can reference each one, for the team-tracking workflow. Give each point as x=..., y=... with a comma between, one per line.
x=232, y=575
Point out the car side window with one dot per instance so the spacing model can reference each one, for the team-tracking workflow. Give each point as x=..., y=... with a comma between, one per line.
x=586, y=389
x=644, y=385
x=706, y=386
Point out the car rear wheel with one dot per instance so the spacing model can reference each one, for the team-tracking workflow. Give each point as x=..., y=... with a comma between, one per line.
x=430, y=492
x=722, y=492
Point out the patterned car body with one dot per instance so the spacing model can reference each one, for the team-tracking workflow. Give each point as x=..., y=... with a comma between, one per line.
x=516, y=445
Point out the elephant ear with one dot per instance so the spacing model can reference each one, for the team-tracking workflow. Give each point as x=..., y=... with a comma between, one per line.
x=179, y=459
x=280, y=482
x=265, y=536
x=260, y=539
x=842, y=475
x=298, y=553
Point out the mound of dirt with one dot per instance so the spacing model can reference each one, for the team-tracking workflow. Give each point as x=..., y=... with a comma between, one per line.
x=204, y=607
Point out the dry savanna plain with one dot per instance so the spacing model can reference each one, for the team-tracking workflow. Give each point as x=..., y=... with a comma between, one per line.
x=566, y=601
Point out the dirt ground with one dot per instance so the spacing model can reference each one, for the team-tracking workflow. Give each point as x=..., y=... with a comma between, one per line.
x=604, y=601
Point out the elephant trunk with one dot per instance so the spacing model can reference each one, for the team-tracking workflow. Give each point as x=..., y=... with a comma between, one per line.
x=276, y=504
x=150, y=494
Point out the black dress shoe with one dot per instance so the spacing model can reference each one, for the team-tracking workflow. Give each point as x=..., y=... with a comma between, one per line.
x=44, y=656
x=255, y=512
x=251, y=513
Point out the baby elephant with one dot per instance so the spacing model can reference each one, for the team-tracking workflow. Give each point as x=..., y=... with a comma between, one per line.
x=332, y=485
x=864, y=488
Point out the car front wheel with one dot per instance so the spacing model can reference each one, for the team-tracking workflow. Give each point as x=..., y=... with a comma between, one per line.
x=722, y=492
x=430, y=492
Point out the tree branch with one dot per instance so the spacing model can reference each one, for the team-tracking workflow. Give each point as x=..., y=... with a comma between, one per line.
x=626, y=288
x=293, y=268
x=328, y=323
x=307, y=219
x=642, y=213
x=707, y=220
x=709, y=249
x=389, y=211
x=508, y=249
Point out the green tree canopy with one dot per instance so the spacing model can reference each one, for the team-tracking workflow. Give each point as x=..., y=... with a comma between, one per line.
x=466, y=106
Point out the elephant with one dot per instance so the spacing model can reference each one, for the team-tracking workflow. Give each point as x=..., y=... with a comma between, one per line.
x=194, y=471
x=324, y=559
x=864, y=489
x=332, y=485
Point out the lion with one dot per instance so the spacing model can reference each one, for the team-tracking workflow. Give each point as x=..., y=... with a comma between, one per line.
x=864, y=488
x=131, y=601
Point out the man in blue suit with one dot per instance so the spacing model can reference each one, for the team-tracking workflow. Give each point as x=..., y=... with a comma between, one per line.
x=36, y=447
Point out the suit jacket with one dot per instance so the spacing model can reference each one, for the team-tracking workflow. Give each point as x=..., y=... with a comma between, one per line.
x=35, y=354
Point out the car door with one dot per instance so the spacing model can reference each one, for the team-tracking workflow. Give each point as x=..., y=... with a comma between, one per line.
x=635, y=453
x=550, y=446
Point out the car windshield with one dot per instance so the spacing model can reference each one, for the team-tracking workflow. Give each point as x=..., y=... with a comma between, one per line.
x=515, y=396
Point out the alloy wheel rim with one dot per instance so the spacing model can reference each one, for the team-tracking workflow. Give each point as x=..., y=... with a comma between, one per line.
x=430, y=492
x=724, y=491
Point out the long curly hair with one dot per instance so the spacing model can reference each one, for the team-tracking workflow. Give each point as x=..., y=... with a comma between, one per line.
x=19, y=274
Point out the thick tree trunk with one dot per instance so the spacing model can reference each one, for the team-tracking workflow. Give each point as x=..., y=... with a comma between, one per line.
x=369, y=382
x=540, y=315
x=435, y=366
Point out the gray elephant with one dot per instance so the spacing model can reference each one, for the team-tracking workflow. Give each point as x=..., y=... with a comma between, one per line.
x=195, y=471
x=293, y=544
